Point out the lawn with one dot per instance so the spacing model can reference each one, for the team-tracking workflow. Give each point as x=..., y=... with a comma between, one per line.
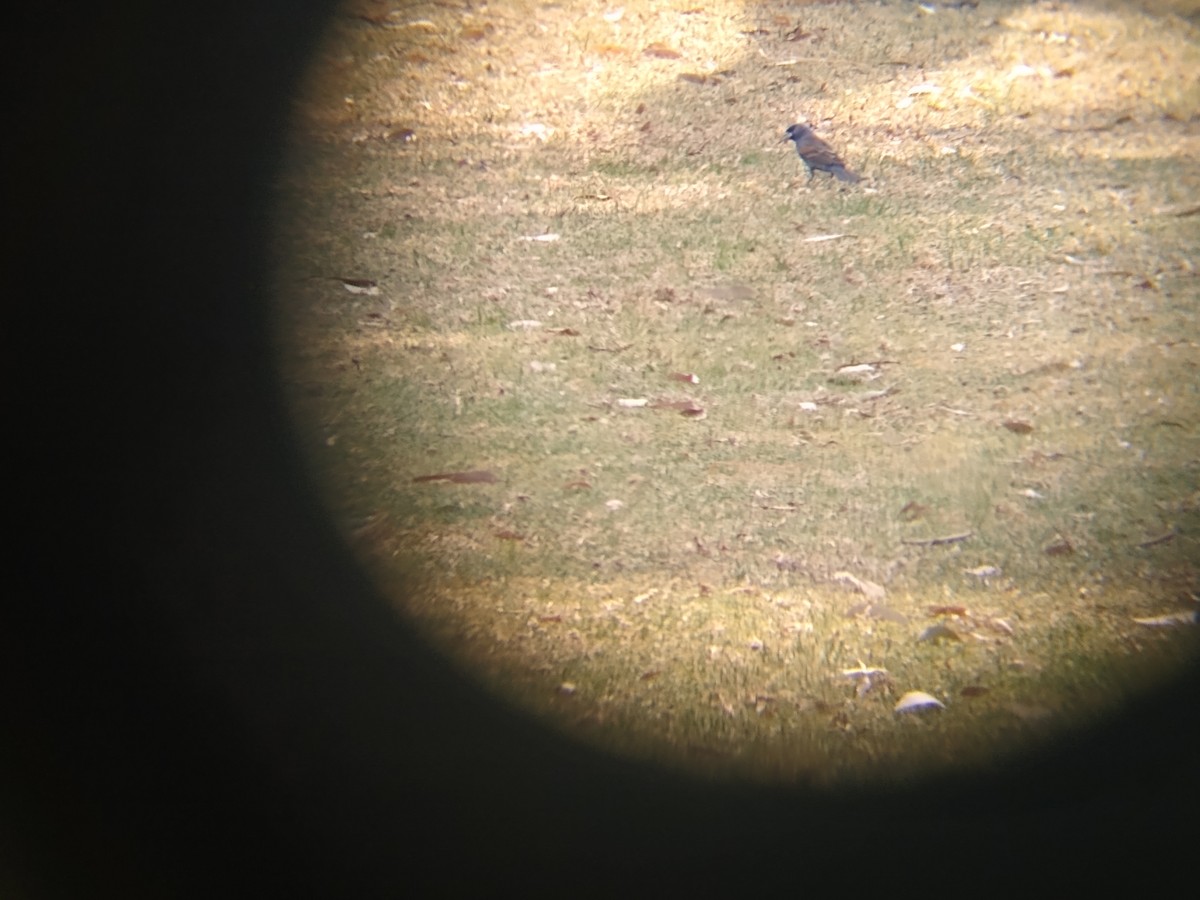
x=709, y=463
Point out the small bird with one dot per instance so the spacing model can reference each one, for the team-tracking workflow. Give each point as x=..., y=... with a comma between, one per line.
x=817, y=154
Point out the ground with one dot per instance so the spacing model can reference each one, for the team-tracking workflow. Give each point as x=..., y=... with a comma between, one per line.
x=712, y=464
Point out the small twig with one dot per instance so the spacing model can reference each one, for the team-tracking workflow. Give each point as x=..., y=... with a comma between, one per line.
x=948, y=539
x=1161, y=539
x=952, y=410
x=609, y=349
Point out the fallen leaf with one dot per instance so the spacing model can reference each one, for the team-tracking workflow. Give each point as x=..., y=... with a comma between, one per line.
x=476, y=476
x=877, y=611
x=857, y=369
x=872, y=590
x=1059, y=547
x=914, y=701
x=939, y=541
x=1017, y=426
x=1183, y=618
x=360, y=286
x=1160, y=539
x=938, y=633
x=660, y=50
x=983, y=571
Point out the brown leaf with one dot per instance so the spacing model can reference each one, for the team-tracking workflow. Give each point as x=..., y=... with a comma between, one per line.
x=475, y=33
x=506, y=535
x=660, y=50
x=577, y=486
x=973, y=690
x=1059, y=547
x=475, y=476
x=1017, y=426
x=938, y=633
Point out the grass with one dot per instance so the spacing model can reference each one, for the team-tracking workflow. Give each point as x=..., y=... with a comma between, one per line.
x=669, y=579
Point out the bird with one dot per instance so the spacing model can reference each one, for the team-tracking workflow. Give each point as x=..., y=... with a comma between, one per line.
x=817, y=154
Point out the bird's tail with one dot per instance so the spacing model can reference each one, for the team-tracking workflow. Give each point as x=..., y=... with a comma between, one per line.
x=845, y=174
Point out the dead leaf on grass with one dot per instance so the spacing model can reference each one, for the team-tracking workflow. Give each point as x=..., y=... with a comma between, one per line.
x=659, y=50
x=877, y=611
x=360, y=286
x=1158, y=539
x=1191, y=617
x=866, y=679
x=1060, y=546
x=984, y=572
x=1018, y=426
x=688, y=408
x=870, y=589
x=856, y=370
x=916, y=701
x=475, y=33
x=474, y=476
x=939, y=633
x=938, y=541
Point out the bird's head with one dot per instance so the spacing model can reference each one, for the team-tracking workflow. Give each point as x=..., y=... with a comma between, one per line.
x=796, y=133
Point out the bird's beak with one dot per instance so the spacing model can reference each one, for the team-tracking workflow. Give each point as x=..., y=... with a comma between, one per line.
x=786, y=138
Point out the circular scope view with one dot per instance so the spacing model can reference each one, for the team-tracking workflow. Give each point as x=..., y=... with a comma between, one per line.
x=797, y=392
